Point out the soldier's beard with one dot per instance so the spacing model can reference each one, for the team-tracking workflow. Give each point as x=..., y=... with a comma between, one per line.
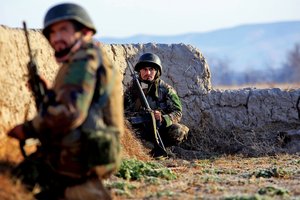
x=147, y=81
x=64, y=52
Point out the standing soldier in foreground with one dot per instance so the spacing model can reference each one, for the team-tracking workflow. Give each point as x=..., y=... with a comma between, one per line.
x=164, y=102
x=79, y=129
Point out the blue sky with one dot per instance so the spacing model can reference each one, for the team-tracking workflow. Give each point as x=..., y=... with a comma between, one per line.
x=122, y=18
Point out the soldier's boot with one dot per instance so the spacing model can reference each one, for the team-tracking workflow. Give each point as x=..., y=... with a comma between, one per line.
x=157, y=152
x=92, y=189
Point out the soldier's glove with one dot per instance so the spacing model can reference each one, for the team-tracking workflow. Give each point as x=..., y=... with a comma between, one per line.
x=22, y=131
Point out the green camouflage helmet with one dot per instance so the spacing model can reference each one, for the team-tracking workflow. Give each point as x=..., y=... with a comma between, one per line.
x=149, y=59
x=67, y=11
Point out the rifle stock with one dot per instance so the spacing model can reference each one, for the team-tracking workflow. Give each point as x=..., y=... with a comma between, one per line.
x=148, y=108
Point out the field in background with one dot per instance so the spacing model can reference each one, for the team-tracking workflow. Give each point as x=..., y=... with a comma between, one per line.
x=284, y=86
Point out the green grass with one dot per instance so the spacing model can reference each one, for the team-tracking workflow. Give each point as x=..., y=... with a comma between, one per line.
x=273, y=191
x=276, y=172
x=132, y=169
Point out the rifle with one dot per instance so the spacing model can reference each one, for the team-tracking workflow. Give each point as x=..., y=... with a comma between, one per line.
x=158, y=139
x=37, y=86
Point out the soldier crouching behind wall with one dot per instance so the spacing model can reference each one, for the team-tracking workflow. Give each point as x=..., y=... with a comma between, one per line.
x=164, y=103
x=79, y=130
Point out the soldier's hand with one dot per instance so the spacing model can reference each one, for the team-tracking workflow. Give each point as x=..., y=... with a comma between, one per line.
x=44, y=82
x=157, y=115
x=17, y=132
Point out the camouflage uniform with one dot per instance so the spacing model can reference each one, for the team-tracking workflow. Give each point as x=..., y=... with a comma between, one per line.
x=164, y=98
x=81, y=143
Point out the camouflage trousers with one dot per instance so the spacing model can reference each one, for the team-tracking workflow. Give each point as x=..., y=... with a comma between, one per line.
x=174, y=134
x=46, y=169
x=35, y=173
x=171, y=135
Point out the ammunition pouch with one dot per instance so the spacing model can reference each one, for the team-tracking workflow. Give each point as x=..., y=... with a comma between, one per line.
x=82, y=150
x=101, y=148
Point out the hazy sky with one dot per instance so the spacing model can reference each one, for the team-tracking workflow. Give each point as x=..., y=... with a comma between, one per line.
x=120, y=18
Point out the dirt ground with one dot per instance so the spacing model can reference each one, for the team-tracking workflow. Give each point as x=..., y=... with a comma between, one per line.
x=209, y=177
x=224, y=177
x=215, y=177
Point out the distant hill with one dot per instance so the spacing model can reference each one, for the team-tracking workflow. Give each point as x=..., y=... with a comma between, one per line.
x=253, y=46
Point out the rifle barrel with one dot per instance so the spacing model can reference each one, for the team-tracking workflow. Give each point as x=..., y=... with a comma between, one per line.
x=27, y=40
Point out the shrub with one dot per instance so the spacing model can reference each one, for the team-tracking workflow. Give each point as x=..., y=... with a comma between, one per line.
x=132, y=169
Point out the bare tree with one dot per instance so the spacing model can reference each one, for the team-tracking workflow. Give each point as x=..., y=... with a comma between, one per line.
x=221, y=72
x=292, y=64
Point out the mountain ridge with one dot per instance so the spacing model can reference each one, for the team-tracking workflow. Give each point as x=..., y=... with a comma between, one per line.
x=245, y=47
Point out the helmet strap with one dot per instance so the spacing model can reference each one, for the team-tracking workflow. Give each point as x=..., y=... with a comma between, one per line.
x=157, y=75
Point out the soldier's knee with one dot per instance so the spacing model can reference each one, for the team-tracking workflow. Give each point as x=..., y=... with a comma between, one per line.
x=92, y=189
x=178, y=132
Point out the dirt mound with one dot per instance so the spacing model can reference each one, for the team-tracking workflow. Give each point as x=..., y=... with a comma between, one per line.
x=132, y=148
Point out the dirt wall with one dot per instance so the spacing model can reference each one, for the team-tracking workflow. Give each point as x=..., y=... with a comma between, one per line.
x=183, y=67
x=215, y=117
x=16, y=100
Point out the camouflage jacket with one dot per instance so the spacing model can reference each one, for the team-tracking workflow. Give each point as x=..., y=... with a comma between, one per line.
x=86, y=86
x=160, y=96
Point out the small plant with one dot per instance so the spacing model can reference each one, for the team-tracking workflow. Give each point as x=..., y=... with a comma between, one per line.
x=272, y=172
x=152, y=180
x=211, y=179
x=296, y=161
x=243, y=197
x=121, y=188
x=273, y=191
x=165, y=193
x=203, y=163
x=132, y=169
x=220, y=171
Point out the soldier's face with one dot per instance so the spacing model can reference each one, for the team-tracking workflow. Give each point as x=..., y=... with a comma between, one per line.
x=148, y=73
x=62, y=35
